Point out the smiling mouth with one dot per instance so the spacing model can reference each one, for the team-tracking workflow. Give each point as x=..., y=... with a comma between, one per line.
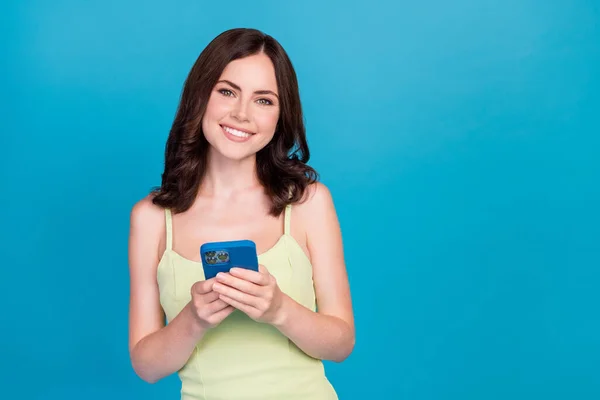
x=236, y=132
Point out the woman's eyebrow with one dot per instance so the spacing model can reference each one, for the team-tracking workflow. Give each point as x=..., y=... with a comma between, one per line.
x=236, y=87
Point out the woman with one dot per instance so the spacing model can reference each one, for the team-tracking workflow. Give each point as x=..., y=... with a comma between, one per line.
x=236, y=168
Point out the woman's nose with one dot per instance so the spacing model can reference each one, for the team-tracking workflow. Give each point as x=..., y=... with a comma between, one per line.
x=240, y=111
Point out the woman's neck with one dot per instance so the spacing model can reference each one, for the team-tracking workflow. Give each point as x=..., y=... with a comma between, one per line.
x=225, y=178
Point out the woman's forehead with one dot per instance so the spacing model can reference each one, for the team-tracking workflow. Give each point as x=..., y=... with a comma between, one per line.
x=251, y=73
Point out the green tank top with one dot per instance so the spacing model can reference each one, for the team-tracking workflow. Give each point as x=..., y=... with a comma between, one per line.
x=242, y=358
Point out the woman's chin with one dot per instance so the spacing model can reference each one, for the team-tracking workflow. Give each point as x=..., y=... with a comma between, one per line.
x=232, y=154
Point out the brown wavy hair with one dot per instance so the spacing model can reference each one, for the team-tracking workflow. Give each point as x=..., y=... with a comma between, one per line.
x=281, y=165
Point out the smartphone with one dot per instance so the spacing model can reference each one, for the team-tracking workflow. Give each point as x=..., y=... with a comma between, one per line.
x=222, y=256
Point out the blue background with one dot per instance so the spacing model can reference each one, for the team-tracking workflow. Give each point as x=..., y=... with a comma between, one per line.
x=459, y=139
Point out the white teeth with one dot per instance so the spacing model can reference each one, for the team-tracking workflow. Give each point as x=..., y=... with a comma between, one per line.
x=237, y=133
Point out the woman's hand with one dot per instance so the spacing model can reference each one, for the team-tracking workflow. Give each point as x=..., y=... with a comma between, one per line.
x=254, y=293
x=206, y=306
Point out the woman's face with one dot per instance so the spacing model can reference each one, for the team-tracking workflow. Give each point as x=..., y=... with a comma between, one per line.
x=243, y=108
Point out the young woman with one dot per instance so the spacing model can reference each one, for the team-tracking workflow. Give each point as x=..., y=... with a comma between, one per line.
x=235, y=169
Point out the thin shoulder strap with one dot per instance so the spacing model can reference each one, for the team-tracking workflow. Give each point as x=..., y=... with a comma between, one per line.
x=287, y=218
x=169, y=228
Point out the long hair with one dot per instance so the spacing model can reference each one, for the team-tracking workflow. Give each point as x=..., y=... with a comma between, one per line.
x=281, y=165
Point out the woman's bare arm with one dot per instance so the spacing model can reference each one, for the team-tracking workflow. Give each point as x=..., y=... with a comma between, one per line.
x=156, y=350
x=328, y=334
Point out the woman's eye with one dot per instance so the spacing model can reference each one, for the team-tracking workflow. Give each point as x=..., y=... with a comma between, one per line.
x=265, y=102
x=226, y=92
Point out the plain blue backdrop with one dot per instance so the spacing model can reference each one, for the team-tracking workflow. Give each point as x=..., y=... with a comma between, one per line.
x=459, y=140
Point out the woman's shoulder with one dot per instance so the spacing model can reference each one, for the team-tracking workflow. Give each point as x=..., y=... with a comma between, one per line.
x=147, y=215
x=146, y=228
x=316, y=201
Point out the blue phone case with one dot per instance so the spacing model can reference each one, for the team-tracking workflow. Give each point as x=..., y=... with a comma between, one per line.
x=222, y=256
